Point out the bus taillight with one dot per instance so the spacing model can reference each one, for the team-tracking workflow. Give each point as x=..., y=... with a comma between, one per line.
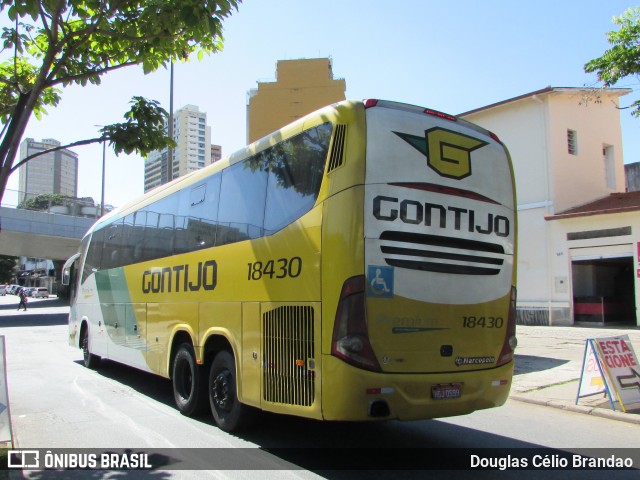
x=350, y=332
x=510, y=340
x=496, y=138
x=436, y=113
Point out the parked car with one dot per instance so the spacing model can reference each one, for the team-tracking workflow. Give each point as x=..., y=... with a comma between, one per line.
x=40, y=292
x=28, y=291
x=3, y=290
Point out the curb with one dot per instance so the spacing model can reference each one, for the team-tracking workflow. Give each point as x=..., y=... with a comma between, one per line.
x=597, y=412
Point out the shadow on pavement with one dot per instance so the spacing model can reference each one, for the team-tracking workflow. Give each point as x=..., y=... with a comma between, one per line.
x=150, y=385
x=530, y=363
x=26, y=319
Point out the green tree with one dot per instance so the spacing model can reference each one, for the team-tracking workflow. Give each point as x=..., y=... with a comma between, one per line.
x=44, y=201
x=623, y=58
x=6, y=268
x=56, y=43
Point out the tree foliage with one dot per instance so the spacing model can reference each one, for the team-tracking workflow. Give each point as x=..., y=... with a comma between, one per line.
x=6, y=268
x=142, y=132
x=55, y=43
x=623, y=58
x=44, y=201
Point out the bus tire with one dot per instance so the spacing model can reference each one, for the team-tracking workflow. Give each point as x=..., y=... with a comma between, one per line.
x=88, y=359
x=189, y=389
x=228, y=412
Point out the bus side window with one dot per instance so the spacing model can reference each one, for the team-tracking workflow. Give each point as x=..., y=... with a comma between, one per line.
x=137, y=235
x=128, y=242
x=94, y=254
x=150, y=247
x=181, y=242
x=112, y=245
x=296, y=167
x=198, y=207
x=242, y=199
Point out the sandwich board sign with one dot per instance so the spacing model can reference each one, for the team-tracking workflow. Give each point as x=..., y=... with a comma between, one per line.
x=610, y=366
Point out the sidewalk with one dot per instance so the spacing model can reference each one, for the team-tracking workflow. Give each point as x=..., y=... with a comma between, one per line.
x=549, y=365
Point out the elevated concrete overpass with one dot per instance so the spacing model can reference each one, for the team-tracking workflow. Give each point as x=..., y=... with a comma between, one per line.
x=40, y=234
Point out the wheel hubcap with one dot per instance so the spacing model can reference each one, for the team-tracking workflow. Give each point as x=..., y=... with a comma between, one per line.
x=221, y=390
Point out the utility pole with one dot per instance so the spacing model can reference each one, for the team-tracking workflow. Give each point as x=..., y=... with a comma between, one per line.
x=104, y=156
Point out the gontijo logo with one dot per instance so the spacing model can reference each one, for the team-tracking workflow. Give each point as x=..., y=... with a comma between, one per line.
x=448, y=152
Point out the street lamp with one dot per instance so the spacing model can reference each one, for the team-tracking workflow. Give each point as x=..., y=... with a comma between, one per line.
x=170, y=132
x=104, y=156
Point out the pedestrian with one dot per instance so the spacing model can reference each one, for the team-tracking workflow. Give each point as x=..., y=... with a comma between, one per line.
x=23, y=300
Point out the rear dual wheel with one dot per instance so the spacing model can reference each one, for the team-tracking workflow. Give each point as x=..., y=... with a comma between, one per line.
x=191, y=393
x=189, y=383
x=228, y=412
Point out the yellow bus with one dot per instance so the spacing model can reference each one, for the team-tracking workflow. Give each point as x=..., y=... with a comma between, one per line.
x=358, y=264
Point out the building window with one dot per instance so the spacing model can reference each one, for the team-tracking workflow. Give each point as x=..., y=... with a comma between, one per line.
x=609, y=166
x=572, y=142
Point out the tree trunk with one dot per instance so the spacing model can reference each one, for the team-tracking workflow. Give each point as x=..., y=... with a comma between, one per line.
x=4, y=178
x=11, y=140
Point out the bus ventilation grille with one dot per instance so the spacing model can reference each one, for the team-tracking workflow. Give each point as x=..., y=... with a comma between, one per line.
x=337, y=151
x=288, y=348
x=434, y=253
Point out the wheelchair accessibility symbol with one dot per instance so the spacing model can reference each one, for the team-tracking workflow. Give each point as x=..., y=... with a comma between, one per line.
x=380, y=281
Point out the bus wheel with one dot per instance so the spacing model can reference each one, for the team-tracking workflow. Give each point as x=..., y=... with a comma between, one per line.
x=189, y=389
x=228, y=412
x=89, y=359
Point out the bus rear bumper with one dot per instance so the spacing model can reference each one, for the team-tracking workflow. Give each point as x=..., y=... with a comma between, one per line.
x=353, y=394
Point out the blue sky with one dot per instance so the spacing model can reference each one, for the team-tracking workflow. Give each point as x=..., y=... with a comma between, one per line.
x=453, y=56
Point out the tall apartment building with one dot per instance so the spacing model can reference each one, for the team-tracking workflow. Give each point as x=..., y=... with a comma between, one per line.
x=193, y=150
x=216, y=153
x=302, y=86
x=53, y=172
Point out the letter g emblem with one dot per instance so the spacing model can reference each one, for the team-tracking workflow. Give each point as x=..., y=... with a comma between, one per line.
x=448, y=153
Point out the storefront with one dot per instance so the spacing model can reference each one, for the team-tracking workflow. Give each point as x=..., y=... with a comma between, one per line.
x=596, y=250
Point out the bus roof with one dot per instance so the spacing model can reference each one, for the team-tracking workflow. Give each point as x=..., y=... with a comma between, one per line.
x=259, y=145
x=193, y=177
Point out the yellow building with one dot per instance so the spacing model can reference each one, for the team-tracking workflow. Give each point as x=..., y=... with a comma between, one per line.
x=301, y=87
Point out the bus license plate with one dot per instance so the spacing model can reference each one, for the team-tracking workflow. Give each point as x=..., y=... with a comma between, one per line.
x=446, y=392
